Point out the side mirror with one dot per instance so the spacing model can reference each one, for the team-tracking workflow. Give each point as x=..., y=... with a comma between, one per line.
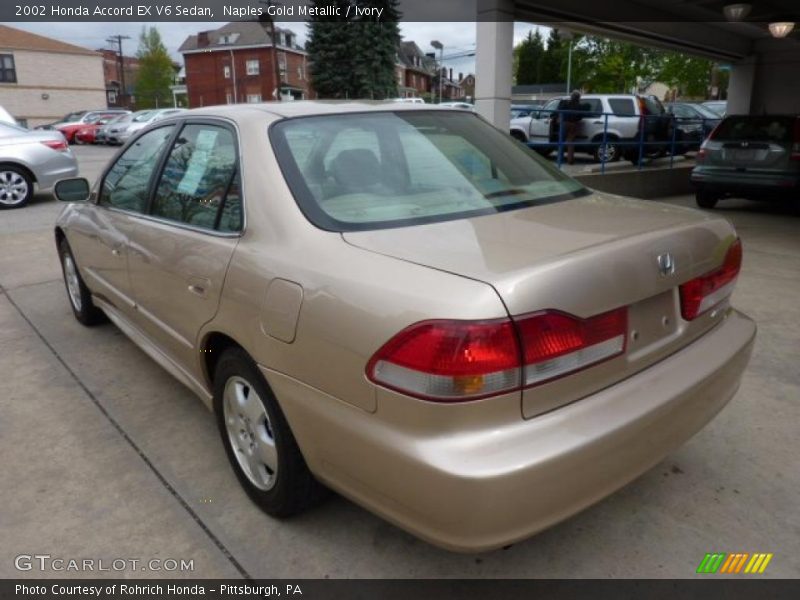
x=75, y=189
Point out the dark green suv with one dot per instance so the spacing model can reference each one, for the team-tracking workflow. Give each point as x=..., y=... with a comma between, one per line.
x=749, y=156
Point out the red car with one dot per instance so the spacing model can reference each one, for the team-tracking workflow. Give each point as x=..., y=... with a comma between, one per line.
x=87, y=134
x=90, y=118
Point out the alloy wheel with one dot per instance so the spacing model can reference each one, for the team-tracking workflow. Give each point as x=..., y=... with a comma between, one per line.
x=250, y=433
x=13, y=188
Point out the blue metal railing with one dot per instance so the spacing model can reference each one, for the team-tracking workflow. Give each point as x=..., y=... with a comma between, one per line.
x=655, y=135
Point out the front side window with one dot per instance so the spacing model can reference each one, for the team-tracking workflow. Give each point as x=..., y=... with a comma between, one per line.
x=197, y=185
x=226, y=72
x=8, y=72
x=391, y=169
x=127, y=183
x=253, y=67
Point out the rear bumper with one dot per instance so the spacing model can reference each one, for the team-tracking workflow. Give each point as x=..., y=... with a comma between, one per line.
x=466, y=492
x=746, y=185
x=61, y=166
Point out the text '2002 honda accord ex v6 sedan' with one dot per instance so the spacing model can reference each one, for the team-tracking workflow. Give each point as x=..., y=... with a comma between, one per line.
x=409, y=307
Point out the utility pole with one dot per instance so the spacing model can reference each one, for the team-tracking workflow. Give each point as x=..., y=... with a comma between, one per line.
x=272, y=34
x=118, y=40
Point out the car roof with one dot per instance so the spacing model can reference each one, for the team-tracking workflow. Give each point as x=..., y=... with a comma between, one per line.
x=304, y=108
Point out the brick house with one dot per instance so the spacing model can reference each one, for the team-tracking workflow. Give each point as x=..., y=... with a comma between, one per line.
x=419, y=69
x=113, y=76
x=235, y=64
x=467, y=83
x=42, y=79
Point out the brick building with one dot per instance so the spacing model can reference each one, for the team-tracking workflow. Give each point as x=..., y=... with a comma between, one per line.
x=42, y=79
x=114, y=72
x=419, y=69
x=236, y=63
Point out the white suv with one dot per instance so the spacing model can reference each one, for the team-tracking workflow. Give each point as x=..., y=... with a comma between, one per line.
x=540, y=130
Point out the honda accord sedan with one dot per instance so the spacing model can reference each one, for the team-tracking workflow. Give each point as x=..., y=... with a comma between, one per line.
x=404, y=305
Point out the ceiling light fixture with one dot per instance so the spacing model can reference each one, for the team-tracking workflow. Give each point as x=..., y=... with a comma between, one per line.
x=780, y=30
x=736, y=12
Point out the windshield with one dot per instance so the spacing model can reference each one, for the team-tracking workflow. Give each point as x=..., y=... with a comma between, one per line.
x=755, y=129
x=705, y=111
x=389, y=169
x=143, y=116
x=73, y=116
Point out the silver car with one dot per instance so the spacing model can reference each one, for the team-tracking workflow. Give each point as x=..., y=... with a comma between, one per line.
x=31, y=160
x=141, y=120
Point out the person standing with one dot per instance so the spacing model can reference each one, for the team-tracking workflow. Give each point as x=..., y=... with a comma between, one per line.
x=572, y=119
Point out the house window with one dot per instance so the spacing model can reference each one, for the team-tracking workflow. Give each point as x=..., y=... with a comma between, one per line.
x=112, y=97
x=8, y=73
x=226, y=72
x=228, y=98
x=253, y=98
x=253, y=67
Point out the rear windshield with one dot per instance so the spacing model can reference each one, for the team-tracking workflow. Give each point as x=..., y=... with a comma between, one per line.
x=756, y=129
x=390, y=169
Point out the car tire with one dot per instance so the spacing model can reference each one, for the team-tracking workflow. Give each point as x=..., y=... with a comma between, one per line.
x=706, y=200
x=613, y=151
x=16, y=186
x=519, y=136
x=258, y=440
x=79, y=296
x=545, y=152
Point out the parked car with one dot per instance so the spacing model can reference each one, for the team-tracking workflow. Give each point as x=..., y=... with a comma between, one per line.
x=407, y=306
x=71, y=128
x=101, y=133
x=525, y=110
x=141, y=119
x=459, y=105
x=749, y=156
x=409, y=100
x=5, y=117
x=31, y=160
x=720, y=107
x=693, y=124
x=70, y=117
x=627, y=113
x=91, y=132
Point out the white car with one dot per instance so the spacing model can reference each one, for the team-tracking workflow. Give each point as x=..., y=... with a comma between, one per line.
x=5, y=117
x=459, y=105
x=409, y=100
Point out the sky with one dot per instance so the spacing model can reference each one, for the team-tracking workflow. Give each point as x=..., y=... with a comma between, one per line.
x=457, y=38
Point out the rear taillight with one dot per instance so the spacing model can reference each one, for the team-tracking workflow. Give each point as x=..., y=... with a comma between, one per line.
x=452, y=361
x=555, y=343
x=703, y=293
x=58, y=145
x=795, y=155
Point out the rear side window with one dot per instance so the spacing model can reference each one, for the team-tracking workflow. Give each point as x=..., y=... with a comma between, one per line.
x=755, y=129
x=198, y=179
x=622, y=107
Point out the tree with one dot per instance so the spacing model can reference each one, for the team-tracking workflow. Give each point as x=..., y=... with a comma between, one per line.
x=354, y=58
x=691, y=75
x=156, y=70
x=529, y=54
x=553, y=62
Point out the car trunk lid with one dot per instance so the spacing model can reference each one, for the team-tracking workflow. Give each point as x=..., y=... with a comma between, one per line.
x=753, y=144
x=583, y=257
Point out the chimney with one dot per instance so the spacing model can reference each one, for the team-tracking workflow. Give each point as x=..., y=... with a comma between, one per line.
x=451, y=74
x=460, y=76
x=202, y=39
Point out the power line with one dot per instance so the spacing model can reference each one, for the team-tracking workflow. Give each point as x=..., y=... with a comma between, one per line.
x=118, y=39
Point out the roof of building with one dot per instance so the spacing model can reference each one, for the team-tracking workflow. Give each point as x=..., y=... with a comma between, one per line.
x=236, y=34
x=408, y=50
x=17, y=39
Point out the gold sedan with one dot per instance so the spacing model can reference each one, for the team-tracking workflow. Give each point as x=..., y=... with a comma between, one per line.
x=405, y=305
